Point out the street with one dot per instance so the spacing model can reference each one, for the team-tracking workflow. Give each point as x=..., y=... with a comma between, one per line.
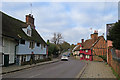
x=61, y=69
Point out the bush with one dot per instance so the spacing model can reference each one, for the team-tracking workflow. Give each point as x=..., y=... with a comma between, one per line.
x=104, y=58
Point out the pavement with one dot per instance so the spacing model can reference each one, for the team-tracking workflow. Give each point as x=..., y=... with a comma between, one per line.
x=97, y=70
x=14, y=68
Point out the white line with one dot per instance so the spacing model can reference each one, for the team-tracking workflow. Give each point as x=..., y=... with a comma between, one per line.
x=34, y=76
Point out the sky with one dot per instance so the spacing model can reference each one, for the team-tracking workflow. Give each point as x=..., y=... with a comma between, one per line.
x=74, y=20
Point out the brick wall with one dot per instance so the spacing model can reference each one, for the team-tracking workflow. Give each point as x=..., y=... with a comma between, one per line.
x=112, y=62
x=116, y=66
x=100, y=48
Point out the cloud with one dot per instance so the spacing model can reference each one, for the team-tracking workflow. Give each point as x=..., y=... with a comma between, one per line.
x=60, y=0
x=73, y=20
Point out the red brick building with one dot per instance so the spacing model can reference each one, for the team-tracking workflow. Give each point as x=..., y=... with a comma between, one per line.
x=96, y=46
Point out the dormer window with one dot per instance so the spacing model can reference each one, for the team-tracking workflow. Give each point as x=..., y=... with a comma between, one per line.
x=28, y=30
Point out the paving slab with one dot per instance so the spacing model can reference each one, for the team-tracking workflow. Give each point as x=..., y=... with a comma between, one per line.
x=97, y=70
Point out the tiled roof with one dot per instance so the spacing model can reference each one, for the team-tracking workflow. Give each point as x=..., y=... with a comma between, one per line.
x=12, y=27
x=88, y=44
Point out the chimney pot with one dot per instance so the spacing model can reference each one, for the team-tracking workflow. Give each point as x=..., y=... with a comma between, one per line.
x=82, y=40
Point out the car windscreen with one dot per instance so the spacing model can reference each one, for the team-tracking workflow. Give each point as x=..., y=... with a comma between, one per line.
x=64, y=55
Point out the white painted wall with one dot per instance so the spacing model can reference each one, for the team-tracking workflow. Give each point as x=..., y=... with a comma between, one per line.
x=9, y=48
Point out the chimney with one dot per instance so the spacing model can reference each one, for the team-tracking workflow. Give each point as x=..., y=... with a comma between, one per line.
x=78, y=43
x=82, y=40
x=94, y=35
x=30, y=20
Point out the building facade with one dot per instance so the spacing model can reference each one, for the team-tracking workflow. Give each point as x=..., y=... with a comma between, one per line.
x=96, y=46
x=20, y=40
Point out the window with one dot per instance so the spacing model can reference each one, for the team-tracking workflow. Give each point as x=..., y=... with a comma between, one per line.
x=22, y=41
x=87, y=56
x=81, y=55
x=42, y=46
x=38, y=44
x=80, y=47
x=28, y=32
x=86, y=50
x=32, y=45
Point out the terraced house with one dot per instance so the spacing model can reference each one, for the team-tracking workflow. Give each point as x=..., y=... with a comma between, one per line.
x=20, y=39
x=96, y=46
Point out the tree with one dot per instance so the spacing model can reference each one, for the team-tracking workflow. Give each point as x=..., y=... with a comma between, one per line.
x=57, y=38
x=52, y=48
x=115, y=35
x=64, y=46
x=72, y=46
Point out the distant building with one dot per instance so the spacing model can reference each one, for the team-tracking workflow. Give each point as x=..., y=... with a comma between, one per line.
x=108, y=27
x=91, y=47
x=20, y=40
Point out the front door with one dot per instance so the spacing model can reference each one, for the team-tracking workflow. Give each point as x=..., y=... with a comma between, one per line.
x=6, y=60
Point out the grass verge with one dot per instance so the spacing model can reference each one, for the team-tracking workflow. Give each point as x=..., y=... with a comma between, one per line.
x=117, y=76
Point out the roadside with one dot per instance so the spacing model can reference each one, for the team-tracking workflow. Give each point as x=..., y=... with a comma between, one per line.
x=15, y=68
x=97, y=70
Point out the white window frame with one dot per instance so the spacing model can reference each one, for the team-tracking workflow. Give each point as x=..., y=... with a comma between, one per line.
x=80, y=47
x=86, y=50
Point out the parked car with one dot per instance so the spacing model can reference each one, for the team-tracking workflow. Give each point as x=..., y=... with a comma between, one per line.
x=64, y=57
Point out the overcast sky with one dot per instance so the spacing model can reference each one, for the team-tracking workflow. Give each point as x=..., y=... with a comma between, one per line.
x=72, y=19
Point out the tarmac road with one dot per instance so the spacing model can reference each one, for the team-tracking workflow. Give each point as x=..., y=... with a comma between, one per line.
x=61, y=69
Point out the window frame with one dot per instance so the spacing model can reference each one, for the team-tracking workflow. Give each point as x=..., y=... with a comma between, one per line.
x=32, y=45
x=38, y=44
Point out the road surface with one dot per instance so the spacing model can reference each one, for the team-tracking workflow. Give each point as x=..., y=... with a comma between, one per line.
x=61, y=69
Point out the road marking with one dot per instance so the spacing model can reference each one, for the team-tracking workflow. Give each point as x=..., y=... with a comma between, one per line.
x=35, y=76
x=83, y=69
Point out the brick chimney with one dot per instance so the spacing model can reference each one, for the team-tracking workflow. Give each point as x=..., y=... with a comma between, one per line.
x=82, y=40
x=78, y=43
x=30, y=20
x=94, y=35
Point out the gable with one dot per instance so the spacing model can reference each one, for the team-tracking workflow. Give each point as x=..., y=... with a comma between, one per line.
x=101, y=43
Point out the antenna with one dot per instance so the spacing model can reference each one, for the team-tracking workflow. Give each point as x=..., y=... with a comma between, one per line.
x=31, y=7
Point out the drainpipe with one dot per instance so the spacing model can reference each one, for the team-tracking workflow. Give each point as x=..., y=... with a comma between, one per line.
x=15, y=52
x=91, y=53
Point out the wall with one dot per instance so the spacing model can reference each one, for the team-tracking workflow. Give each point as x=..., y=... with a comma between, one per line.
x=24, y=49
x=112, y=62
x=85, y=55
x=9, y=48
x=100, y=48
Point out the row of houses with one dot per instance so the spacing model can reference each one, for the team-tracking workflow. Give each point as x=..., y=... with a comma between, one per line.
x=21, y=39
x=96, y=46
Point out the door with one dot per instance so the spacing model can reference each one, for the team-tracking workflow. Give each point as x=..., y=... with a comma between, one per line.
x=6, y=60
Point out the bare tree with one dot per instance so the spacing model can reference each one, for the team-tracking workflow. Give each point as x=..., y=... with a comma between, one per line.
x=57, y=38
